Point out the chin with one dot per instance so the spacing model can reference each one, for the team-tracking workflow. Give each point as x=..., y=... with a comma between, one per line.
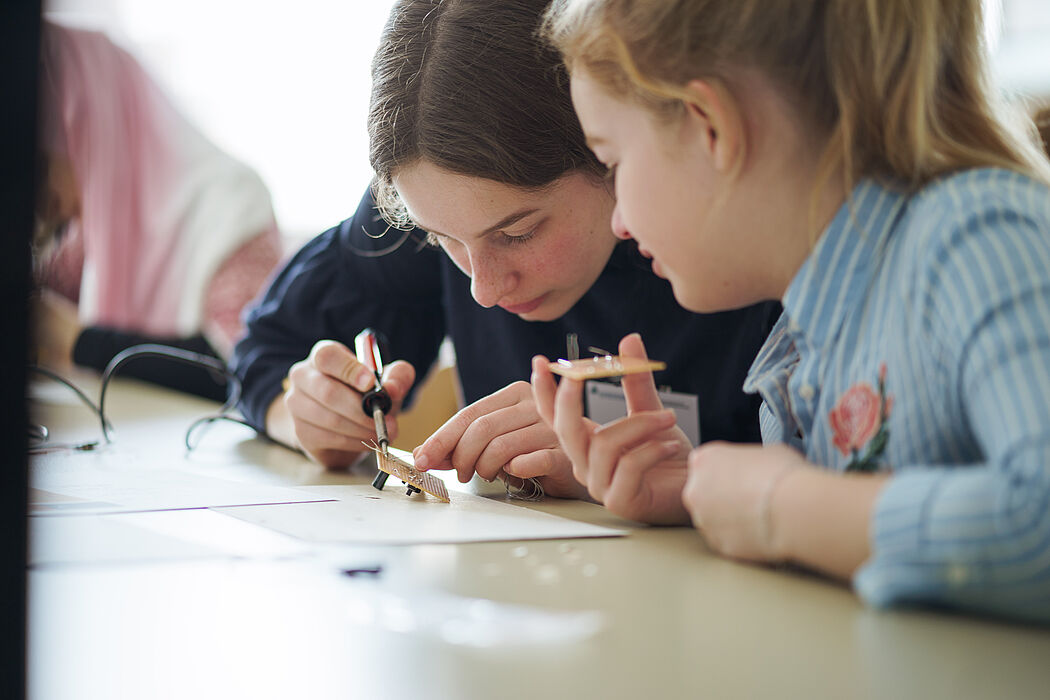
x=542, y=314
x=549, y=310
x=697, y=302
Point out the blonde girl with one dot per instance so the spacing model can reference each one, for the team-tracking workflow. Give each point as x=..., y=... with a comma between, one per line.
x=845, y=157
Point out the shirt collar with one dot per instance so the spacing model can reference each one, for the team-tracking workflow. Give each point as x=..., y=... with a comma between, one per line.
x=836, y=275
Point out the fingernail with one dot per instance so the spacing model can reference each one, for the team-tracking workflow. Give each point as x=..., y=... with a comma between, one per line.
x=421, y=461
x=363, y=379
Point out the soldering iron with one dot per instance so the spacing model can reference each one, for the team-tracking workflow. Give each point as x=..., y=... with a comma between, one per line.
x=376, y=402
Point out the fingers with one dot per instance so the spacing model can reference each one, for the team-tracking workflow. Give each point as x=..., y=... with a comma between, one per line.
x=335, y=360
x=693, y=492
x=648, y=483
x=485, y=419
x=398, y=378
x=508, y=446
x=638, y=389
x=323, y=400
x=328, y=448
x=572, y=430
x=543, y=462
x=553, y=469
x=543, y=389
x=628, y=442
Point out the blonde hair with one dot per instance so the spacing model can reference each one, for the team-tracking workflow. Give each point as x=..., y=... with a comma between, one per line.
x=1042, y=125
x=897, y=87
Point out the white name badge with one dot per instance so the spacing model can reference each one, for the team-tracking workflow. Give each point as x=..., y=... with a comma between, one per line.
x=605, y=403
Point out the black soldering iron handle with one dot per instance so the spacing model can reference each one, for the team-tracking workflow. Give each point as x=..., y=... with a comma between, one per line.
x=376, y=402
x=366, y=347
x=376, y=398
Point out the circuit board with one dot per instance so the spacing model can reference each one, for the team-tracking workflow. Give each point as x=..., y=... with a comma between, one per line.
x=395, y=466
x=604, y=366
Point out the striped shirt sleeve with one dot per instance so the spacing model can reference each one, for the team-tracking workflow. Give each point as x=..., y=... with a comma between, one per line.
x=978, y=535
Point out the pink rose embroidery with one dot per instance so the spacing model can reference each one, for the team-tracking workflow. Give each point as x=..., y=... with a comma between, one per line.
x=855, y=418
x=859, y=419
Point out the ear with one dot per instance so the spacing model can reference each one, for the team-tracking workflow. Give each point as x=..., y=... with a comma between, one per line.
x=716, y=113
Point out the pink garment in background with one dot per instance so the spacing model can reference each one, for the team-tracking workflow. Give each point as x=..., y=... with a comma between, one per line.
x=161, y=207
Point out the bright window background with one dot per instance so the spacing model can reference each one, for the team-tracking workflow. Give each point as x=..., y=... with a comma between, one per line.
x=284, y=86
x=1022, y=55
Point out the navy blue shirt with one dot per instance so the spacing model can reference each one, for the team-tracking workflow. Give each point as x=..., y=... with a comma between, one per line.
x=355, y=276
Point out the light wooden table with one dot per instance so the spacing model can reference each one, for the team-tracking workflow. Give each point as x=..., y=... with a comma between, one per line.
x=678, y=622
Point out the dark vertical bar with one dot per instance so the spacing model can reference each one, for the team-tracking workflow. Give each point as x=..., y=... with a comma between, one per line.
x=19, y=67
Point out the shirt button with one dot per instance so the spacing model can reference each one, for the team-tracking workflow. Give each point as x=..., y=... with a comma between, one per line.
x=806, y=392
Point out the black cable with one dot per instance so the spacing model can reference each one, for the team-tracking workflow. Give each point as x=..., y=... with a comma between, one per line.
x=134, y=352
x=96, y=409
x=207, y=420
x=179, y=355
x=39, y=435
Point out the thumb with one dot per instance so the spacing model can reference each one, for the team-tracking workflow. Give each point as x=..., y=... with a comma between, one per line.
x=638, y=389
x=336, y=360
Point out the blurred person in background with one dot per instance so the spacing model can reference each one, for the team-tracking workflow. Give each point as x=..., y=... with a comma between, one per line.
x=146, y=231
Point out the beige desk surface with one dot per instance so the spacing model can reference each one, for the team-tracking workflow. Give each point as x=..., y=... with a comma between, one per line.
x=679, y=622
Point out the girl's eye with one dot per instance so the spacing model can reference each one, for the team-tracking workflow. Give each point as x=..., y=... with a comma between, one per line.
x=610, y=174
x=516, y=240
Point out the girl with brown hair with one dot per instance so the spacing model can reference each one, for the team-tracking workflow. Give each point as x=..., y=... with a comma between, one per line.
x=476, y=147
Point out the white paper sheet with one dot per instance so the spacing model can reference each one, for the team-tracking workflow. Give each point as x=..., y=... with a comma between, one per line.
x=99, y=539
x=88, y=490
x=364, y=515
x=152, y=536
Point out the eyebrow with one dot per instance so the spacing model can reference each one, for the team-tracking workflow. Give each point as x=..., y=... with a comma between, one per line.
x=506, y=221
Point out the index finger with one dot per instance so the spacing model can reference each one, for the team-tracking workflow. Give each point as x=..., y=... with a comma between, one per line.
x=336, y=360
x=442, y=443
x=639, y=390
x=569, y=424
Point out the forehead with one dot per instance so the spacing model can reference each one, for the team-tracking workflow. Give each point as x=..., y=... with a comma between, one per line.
x=454, y=204
x=590, y=99
x=607, y=116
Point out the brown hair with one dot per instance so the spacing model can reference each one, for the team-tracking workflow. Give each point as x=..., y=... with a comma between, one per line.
x=897, y=87
x=468, y=86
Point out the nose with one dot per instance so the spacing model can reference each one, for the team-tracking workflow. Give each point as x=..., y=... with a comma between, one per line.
x=490, y=280
x=618, y=228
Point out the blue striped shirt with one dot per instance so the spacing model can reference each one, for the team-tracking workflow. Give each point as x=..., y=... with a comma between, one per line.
x=946, y=294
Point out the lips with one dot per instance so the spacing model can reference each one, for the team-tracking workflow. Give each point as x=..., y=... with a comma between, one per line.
x=525, y=307
x=658, y=269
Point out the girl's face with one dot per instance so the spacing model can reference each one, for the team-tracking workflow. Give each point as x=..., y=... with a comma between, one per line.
x=673, y=197
x=531, y=252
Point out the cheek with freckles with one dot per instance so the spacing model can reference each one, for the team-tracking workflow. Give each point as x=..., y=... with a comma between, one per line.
x=552, y=263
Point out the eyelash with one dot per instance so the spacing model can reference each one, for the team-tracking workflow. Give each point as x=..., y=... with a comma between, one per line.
x=610, y=174
x=435, y=239
x=517, y=240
